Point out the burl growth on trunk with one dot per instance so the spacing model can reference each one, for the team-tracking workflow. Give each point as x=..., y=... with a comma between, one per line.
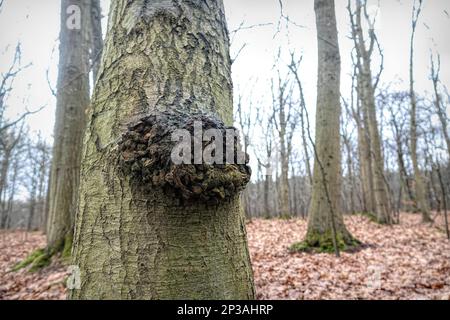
x=148, y=146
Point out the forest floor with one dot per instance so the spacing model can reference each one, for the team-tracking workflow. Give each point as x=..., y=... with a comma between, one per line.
x=406, y=261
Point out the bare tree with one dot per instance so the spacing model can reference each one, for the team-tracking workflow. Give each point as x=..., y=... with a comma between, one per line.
x=10, y=140
x=285, y=120
x=294, y=68
x=440, y=107
x=264, y=155
x=37, y=165
x=395, y=104
x=366, y=92
x=326, y=228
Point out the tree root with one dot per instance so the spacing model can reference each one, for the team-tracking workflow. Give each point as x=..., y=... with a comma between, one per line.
x=43, y=257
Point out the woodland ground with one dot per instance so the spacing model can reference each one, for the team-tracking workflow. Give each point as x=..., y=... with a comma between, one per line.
x=406, y=261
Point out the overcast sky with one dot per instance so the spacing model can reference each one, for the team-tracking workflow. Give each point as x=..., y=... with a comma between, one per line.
x=36, y=25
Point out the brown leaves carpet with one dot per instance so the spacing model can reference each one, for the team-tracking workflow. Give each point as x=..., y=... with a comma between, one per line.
x=406, y=261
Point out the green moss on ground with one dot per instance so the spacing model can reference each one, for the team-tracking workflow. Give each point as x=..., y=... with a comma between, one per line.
x=41, y=262
x=42, y=258
x=323, y=243
x=28, y=260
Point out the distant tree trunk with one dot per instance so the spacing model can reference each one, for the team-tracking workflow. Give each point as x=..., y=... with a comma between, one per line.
x=3, y=181
x=267, y=183
x=304, y=125
x=43, y=173
x=31, y=215
x=281, y=126
x=72, y=101
x=404, y=173
x=440, y=107
x=444, y=200
x=32, y=200
x=366, y=92
x=138, y=240
x=326, y=227
x=12, y=193
x=419, y=184
x=44, y=219
x=284, y=187
x=347, y=144
x=96, y=40
x=365, y=161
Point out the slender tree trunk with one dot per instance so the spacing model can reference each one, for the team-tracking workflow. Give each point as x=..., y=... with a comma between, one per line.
x=422, y=204
x=43, y=171
x=96, y=40
x=12, y=193
x=134, y=240
x=444, y=200
x=440, y=108
x=367, y=96
x=365, y=164
x=347, y=144
x=382, y=208
x=3, y=182
x=267, y=184
x=45, y=211
x=32, y=204
x=284, y=186
x=72, y=101
x=325, y=223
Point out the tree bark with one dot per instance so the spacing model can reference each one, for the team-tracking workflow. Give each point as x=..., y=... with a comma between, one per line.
x=96, y=40
x=420, y=196
x=367, y=95
x=162, y=56
x=72, y=101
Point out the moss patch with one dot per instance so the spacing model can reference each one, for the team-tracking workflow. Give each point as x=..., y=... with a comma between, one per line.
x=67, y=249
x=41, y=261
x=42, y=258
x=323, y=243
x=28, y=260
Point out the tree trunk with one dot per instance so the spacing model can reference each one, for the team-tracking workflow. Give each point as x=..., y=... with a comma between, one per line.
x=135, y=240
x=365, y=165
x=267, y=184
x=366, y=93
x=348, y=147
x=96, y=39
x=72, y=101
x=326, y=227
x=440, y=107
x=284, y=154
x=419, y=184
x=3, y=182
x=32, y=200
x=382, y=208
